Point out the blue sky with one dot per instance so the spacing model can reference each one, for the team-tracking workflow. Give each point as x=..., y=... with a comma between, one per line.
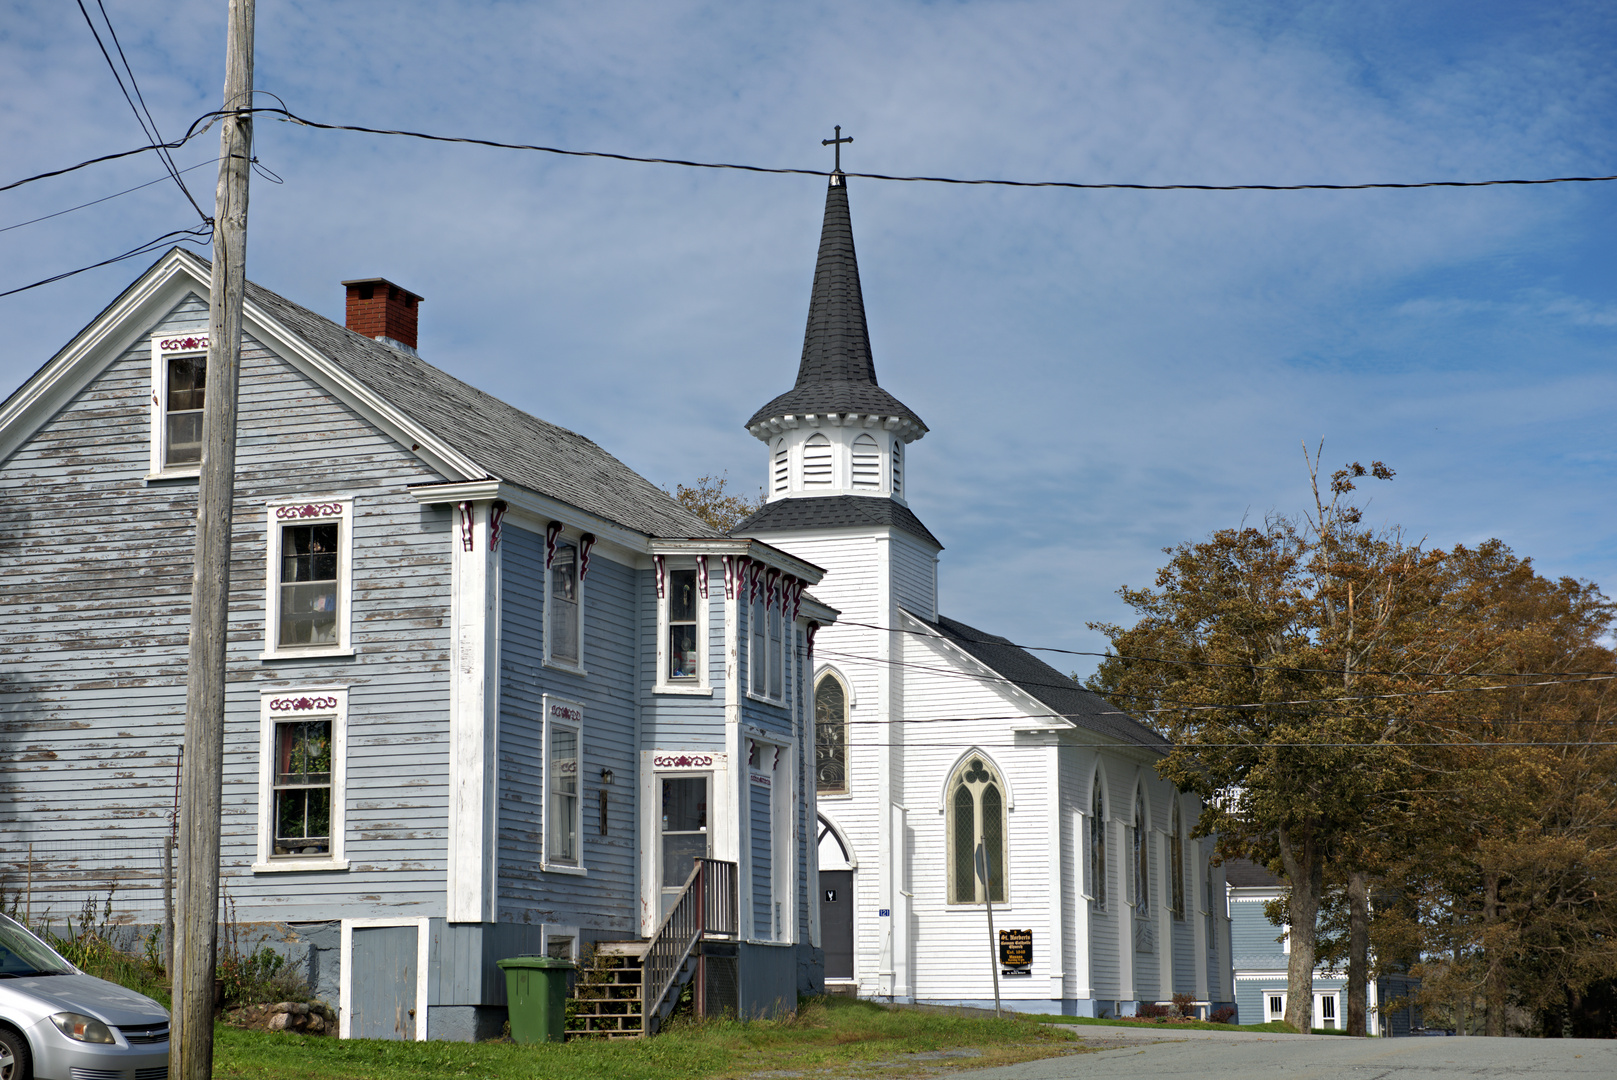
x=1104, y=373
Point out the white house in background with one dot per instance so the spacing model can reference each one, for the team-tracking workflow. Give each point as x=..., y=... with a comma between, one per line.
x=932, y=737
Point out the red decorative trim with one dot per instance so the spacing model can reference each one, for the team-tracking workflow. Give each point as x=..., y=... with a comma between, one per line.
x=585, y=542
x=774, y=765
x=729, y=577
x=570, y=713
x=466, y=526
x=303, y=704
x=771, y=588
x=812, y=629
x=682, y=761
x=797, y=596
x=308, y=510
x=185, y=344
x=552, y=531
x=757, y=575
x=701, y=575
x=496, y=514
x=662, y=575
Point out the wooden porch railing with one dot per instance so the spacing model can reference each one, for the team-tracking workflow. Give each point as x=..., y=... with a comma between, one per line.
x=708, y=907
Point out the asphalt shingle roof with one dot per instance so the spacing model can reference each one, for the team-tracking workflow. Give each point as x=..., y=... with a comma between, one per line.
x=1246, y=874
x=502, y=439
x=835, y=511
x=1082, y=708
x=836, y=374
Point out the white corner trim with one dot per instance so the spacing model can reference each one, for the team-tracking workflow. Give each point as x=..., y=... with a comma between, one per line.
x=345, y=981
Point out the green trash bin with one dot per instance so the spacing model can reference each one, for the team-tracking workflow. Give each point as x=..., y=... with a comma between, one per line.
x=536, y=994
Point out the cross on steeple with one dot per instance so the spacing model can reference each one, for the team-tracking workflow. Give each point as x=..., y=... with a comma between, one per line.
x=837, y=142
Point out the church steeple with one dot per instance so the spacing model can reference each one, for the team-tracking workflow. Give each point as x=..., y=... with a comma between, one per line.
x=836, y=378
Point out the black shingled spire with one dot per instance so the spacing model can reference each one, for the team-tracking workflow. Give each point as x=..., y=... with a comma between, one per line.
x=836, y=374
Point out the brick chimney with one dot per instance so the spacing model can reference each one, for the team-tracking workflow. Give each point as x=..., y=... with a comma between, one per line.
x=381, y=310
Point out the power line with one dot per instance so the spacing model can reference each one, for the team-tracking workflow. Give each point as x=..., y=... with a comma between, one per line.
x=200, y=235
x=104, y=198
x=143, y=115
x=291, y=117
x=1001, y=643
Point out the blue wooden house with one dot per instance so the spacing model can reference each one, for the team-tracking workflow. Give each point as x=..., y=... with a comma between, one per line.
x=490, y=691
x=1261, y=953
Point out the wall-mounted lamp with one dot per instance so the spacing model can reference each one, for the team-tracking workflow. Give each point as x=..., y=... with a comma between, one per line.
x=606, y=776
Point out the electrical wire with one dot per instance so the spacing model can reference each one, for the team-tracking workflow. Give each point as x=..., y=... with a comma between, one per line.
x=933, y=635
x=104, y=198
x=293, y=118
x=200, y=235
x=143, y=115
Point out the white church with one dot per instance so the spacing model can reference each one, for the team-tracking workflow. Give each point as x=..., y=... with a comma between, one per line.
x=933, y=738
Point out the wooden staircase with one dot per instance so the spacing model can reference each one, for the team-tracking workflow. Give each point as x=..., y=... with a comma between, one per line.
x=696, y=942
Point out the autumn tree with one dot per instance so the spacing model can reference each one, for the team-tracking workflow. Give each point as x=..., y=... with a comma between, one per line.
x=709, y=500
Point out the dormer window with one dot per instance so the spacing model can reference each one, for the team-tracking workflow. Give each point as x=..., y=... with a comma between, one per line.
x=866, y=463
x=817, y=469
x=781, y=472
x=179, y=385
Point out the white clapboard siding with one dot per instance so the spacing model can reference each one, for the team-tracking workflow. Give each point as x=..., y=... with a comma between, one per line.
x=914, y=575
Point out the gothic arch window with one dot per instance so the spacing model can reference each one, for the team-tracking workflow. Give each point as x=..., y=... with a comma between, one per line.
x=1141, y=870
x=779, y=471
x=817, y=460
x=830, y=734
x=866, y=462
x=1176, y=855
x=1097, y=841
x=976, y=815
x=898, y=467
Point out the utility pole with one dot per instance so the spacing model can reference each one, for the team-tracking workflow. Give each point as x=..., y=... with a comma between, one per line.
x=197, y=940
x=983, y=872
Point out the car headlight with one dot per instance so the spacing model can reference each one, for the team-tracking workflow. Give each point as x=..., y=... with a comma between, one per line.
x=82, y=1028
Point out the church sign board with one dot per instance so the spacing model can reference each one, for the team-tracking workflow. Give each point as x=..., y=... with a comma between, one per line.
x=1016, y=952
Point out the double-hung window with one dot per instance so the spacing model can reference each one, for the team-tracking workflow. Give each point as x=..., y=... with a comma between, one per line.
x=766, y=660
x=682, y=631
x=564, y=608
x=179, y=386
x=302, y=751
x=308, y=596
x=757, y=656
x=564, y=806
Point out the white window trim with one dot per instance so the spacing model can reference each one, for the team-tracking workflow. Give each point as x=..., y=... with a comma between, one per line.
x=782, y=844
x=1268, y=1016
x=550, y=661
x=555, y=711
x=345, y=980
x=788, y=636
x=701, y=686
x=324, y=508
x=175, y=346
x=306, y=703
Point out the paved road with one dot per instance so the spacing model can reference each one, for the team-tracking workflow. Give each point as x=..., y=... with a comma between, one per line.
x=1129, y=1054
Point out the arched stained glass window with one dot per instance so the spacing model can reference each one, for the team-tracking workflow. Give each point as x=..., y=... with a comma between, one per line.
x=1176, y=853
x=1142, y=858
x=817, y=460
x=830, y=735
x=866, y=462
x=976, y=815
x=1097, y=843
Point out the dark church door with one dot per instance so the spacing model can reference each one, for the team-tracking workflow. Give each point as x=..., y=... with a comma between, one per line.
x=836, y=922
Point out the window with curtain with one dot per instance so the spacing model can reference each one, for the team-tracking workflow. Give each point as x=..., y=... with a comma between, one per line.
x=1176, y=856
x=1097, y=844
x=866, y=462
x=1142, y=859
x=817, y=460
x=976, y=815
x=830, y=735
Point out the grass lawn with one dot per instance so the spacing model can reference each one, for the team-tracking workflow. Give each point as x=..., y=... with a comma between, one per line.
x=836, y=1037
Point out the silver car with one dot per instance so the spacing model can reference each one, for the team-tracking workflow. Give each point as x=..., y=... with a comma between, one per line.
x=57, y=1023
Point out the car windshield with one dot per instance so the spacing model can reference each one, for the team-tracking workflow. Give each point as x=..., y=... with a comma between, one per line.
x=21, y=953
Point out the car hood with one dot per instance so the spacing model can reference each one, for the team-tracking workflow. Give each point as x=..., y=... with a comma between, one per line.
x=108, y=1002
